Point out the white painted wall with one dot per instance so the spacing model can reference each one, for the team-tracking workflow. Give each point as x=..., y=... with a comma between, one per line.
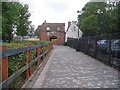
x=73, y=31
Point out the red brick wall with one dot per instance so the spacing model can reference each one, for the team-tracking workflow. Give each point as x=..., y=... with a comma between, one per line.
x=43, y=35
x=60, y=36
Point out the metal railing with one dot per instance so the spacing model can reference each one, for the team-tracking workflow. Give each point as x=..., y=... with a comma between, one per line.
x=105, y=48
x=6, y=81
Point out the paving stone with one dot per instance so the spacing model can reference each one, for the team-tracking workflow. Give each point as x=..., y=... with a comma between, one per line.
x=71, y=69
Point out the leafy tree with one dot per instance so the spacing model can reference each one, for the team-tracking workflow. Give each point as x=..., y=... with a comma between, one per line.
x=37, y=31
x=118, y=10
x=98, y=18
x=14, y=15
x=0, y=20
x=23, y=22
x=31, y=31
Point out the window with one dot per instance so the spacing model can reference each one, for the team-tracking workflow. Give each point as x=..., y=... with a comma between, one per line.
x=53, y=32
x=47, y=28
x=58, y=28
x=48, y=33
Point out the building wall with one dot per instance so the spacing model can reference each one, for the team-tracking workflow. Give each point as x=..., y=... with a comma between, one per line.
x=55, y=30
x=72, y=32
x=60, y=36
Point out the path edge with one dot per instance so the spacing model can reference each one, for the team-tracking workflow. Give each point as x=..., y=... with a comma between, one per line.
x=30, y=82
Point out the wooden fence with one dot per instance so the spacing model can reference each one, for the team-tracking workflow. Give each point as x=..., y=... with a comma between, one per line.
x=6, y=81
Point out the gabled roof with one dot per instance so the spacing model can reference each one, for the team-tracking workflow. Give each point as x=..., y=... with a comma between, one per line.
x=53, y=26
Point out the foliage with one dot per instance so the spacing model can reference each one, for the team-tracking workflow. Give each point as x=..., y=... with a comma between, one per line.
x=31, y=30
x=65, y=43
x=0, y=20
x=23, y=22
x=99, y=18
x=18, y=61
x=14, y=16
x=32, y=42
x=37, y=31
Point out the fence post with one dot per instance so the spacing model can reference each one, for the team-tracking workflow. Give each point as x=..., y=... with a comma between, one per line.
x=95, y=53
x=77, y=45
x=4, y=65
x=109, y=49
x=49, y=47
x=28, y=60
x=37, y=54
x=43, y=50
x=87, y=45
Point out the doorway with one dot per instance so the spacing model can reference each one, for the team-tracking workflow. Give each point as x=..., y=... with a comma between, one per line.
x=53, y=39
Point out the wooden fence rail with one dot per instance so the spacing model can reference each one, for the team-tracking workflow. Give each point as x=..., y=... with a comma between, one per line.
x=6, y=81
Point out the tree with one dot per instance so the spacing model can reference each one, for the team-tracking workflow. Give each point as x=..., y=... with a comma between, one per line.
x=37, y=31
x=23, y=22
x=0, y=20
x=98, y=18
x=14, y=14
x=31, y=30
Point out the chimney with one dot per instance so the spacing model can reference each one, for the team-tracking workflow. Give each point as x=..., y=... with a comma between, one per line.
x=44, y=22
x=69, y=23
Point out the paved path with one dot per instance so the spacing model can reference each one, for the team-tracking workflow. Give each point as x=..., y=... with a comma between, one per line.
x=67, y=68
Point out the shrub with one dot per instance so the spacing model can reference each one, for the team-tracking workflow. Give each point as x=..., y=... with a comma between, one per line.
x=18, y=61
x=65, y=43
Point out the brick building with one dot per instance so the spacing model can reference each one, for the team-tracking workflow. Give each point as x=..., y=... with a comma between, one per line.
x=54, y=32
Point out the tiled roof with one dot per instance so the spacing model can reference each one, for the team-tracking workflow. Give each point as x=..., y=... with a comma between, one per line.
x=53, y=26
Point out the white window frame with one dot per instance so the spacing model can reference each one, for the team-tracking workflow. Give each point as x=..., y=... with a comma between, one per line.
x=48, y=28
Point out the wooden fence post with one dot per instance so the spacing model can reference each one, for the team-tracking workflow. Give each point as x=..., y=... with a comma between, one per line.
x=49, y=47
x=43, y=52
x=28, y=60
x=37, y=54
x=46, y=50
x=4, y=65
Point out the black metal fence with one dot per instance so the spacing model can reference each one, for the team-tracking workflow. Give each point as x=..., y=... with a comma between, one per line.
x=105, y=48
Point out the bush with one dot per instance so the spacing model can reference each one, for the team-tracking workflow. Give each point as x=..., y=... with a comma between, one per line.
x=65, y=43
x=18, y=61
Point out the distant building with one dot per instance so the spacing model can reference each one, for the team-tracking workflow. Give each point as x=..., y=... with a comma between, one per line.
x=72, y=31
x=54, y=32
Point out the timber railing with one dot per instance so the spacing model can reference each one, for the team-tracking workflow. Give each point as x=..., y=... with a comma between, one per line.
x=6, y=81
x=105, y=48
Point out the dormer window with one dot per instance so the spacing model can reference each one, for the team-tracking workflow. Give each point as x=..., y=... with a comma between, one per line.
x=47, y=28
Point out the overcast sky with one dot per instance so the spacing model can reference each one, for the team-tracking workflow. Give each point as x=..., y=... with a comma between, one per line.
x=54, y=11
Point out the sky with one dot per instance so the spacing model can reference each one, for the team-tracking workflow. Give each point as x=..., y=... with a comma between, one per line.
x=54, y=11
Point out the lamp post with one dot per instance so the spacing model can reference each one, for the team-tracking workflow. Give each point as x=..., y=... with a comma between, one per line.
x=78, y=47
x=78, y=23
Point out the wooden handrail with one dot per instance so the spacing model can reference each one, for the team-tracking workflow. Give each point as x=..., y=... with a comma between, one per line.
x=10, y=52
x=28, y=67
